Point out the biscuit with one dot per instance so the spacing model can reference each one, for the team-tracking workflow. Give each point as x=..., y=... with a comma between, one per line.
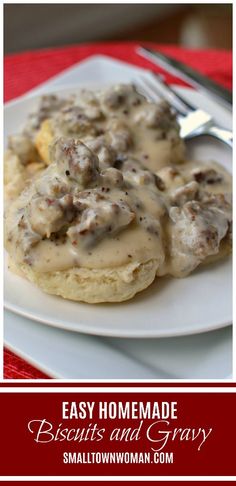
x=94, y=285
x=43, y=139
x=17, y=176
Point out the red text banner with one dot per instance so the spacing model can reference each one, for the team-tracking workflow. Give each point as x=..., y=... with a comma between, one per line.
x=118, y=433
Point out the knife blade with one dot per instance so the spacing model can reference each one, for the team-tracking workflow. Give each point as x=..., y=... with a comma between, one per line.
x=188, y=74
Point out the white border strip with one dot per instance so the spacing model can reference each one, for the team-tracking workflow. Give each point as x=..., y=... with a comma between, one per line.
x=105, y=389
x=118, y=478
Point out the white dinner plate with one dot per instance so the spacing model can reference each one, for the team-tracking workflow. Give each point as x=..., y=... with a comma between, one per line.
x=169, y=307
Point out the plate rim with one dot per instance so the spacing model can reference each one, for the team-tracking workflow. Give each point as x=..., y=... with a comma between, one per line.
x=111, y=332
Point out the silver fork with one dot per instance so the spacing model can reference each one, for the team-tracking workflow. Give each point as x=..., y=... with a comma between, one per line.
x=194, y=122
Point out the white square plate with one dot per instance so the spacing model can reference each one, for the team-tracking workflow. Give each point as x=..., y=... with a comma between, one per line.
x=169, y=307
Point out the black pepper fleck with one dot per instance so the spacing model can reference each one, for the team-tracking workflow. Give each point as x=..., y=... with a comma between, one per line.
x=118, y=163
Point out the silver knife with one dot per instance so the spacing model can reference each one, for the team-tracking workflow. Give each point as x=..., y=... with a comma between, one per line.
x=187, y=74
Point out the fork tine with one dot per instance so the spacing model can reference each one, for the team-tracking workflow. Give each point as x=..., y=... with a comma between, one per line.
x=144, y=89
x=161, y=80
x=155, y=94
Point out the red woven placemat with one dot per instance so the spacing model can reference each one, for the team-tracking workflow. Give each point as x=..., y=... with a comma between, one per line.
x=24, y=71
x=16, y=368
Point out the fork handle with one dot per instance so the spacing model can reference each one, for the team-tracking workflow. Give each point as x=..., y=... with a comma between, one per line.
x=225, y=136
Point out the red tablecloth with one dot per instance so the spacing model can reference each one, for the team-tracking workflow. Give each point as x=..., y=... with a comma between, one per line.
x=28, y=69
